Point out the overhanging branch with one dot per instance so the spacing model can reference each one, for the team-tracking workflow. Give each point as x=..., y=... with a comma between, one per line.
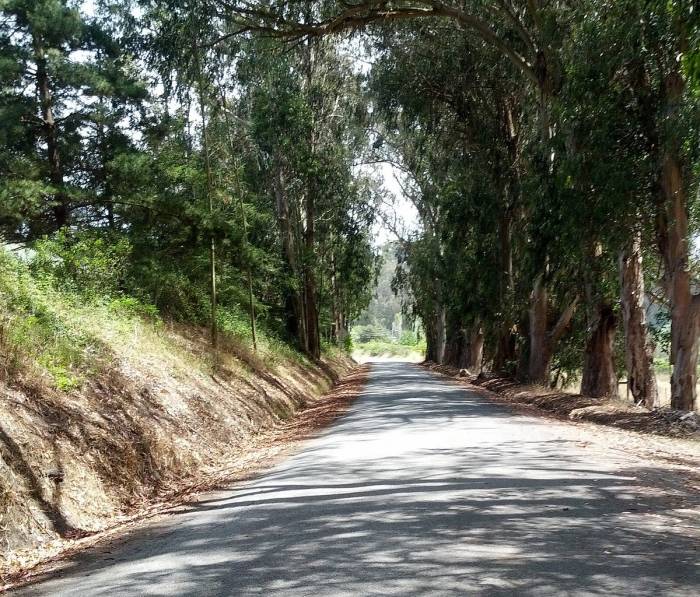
x=249, y=17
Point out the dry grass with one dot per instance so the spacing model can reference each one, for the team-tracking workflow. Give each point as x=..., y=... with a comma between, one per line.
x=262, y=451
x=158, y=415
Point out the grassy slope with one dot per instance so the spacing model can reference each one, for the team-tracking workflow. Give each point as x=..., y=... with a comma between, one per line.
x=104, y=408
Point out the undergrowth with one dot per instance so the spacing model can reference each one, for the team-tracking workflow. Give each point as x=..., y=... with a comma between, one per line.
x=59, y=330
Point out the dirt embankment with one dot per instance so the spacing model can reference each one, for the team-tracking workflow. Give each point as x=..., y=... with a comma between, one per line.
x=615, y=413
x=161, y=421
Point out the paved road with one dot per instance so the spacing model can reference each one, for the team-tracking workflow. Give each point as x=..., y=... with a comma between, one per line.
x=424, y=488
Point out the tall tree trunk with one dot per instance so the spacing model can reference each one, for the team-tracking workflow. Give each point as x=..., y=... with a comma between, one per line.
x=543, y=341
x=639, y=352
x=476, y=348
x=685, y=307
x=249, y=275
x=430, y=340
x=435, y=336
x=453, y=347
x=60, y=206
x=505, y=348
x=540, y=349
x=293, y=301
x=505, y=342
x=313, y=336
x=673, y=237
x=440, y=334
x=599, y=378
x=210, y=202
x=338, y=333
x=463, y=357
x=244, y=220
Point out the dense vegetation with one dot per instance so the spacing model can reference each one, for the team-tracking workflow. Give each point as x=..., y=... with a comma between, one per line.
x=211, y=149
x=551, y=150
x=211, y=184
x=383, y=328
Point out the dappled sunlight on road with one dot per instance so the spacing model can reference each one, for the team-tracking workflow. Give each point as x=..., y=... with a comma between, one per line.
x=424, y=488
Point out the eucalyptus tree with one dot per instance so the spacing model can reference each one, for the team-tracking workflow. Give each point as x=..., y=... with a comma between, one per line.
x=527, y=35
x=465, y=119
x=531, y=36
x=647, y=117
x=608, y=168
x=306, y=115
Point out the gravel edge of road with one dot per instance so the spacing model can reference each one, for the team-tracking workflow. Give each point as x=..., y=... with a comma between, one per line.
x=681, y=456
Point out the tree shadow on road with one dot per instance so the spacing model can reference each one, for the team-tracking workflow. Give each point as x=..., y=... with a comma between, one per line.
x=511, y=516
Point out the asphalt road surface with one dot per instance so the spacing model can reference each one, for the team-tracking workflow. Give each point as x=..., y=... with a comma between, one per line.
x=423, y=488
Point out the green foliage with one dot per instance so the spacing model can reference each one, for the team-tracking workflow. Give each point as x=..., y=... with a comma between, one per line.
x=362, y=334
x=130, y=307
x=36, y=328
x=408, y=338
x=89, y=262
x=379, y=348
x=226, y=184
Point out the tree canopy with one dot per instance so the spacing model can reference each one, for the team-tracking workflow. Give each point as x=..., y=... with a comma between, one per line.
x=549, y=148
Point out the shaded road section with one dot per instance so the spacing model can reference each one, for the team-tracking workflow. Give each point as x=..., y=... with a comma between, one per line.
x=424, y=488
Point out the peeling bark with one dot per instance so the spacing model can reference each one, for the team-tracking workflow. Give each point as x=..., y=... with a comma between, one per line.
x=639, y=352
x=476, y=348
x=440, y=335
x=673, y=241
x=599, y=378
x=540, y=349
x=542, y=341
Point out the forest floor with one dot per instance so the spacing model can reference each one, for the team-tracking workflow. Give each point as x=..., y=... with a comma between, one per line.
x=425, y=487
x=565, y=404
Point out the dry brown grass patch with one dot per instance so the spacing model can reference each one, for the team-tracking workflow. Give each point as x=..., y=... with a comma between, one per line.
x=243, y=460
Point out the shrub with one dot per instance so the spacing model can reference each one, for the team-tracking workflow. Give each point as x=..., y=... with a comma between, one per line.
x=129, y=306
x=91, y=263
x=408, y=338
x=35, y=329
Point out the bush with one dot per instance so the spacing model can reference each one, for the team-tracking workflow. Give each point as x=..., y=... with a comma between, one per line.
x=408, y=338
x=377, y=348
x=129, y=306
x=36, y=328
x=91, y=263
